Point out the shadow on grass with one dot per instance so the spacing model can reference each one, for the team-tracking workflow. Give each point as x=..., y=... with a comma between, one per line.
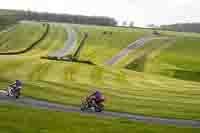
x=139, y=66
x=184, y=74
x=68, y=60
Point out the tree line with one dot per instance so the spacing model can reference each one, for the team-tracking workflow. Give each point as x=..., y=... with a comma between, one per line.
x=182, y=27
x=66, y=18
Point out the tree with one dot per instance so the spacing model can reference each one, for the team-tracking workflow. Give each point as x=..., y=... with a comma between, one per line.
x=124, y=23
x=152, y=26
x=183, y=27
x=131, y=24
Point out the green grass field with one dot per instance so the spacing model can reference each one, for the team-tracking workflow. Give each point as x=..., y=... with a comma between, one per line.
x=59, y=122
x=53, y=41
x=22, y=37
x=179, y=60
x=105, y=42
x=135, y=60
x=26, y=33
x=133, y=55
x=125, y=90
x=5, y=36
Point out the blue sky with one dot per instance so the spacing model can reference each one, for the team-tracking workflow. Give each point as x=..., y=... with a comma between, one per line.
x=142, y=12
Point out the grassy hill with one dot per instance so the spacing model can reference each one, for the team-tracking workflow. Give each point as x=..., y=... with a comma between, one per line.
x=125, y=90
x=179, y=59
x=133, y=55
x=105, y=42
x=22, y=37
x=25, y=34
x=54, y=40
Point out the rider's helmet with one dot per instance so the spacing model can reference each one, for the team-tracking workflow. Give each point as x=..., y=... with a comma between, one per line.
x=98, y=94
x=18, y=83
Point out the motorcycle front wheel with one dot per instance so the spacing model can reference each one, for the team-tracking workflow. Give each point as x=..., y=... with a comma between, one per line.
x=83, y=106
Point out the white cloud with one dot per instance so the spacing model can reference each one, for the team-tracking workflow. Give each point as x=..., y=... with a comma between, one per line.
x=141, y=11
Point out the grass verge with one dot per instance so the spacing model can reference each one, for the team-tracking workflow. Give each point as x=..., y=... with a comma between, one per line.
x=23, y=119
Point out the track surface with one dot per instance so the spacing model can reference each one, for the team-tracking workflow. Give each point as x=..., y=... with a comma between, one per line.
x=25, y=101
x=137, y=44
x=68, y=46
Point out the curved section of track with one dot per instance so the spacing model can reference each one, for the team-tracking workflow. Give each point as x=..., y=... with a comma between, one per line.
x=25, y=101
x=137, y=44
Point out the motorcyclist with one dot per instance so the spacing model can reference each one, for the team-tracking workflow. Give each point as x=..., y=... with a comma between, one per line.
x=16, y=86
x=96, y=98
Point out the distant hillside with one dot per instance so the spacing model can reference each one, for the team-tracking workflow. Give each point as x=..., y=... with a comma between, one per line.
x=44, y=16
x=184, y=27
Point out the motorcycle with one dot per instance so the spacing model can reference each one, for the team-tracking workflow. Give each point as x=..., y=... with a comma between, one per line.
x=91, y=106
x=12, y=92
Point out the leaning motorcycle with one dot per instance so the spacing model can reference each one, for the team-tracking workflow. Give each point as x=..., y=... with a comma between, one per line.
x=91, y=107
x=12, y=92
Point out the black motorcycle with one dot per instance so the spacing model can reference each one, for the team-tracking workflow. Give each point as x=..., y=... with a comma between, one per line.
x=91, y=106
